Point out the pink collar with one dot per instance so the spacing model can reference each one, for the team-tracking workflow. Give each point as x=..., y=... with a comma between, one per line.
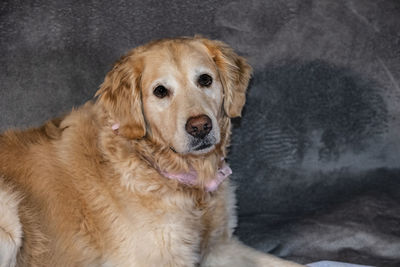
x=190, y=178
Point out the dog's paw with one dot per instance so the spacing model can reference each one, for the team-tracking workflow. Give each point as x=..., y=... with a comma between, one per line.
x=10, y=227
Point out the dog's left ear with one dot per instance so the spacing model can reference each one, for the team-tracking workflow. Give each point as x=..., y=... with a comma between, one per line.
x=120, y=95
x=234, y=73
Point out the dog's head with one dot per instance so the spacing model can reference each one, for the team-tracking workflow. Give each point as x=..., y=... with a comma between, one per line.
x=174, y=91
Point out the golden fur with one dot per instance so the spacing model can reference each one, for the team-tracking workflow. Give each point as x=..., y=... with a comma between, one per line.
x=81, y=194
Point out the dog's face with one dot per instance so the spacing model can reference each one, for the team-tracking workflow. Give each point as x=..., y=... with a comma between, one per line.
x=175, y=91
x=182, y=96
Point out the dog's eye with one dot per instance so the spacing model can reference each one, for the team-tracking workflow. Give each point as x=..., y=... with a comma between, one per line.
x=205, y=80
x=160, y=91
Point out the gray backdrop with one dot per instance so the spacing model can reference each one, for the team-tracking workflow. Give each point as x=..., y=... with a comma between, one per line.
x=316, y=154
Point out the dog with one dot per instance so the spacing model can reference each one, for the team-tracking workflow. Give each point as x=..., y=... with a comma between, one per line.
x=137, y=176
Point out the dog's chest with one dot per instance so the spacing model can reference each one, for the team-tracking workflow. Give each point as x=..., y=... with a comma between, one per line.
x=176, y=228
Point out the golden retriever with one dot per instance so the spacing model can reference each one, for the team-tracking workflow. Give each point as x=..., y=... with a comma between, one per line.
x=137, y=176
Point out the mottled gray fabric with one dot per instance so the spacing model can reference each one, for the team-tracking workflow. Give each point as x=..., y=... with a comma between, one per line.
x=316, y=153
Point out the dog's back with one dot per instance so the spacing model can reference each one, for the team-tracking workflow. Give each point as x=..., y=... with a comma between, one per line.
x=34, y=193
x=16, y=145
x=19, y=219
x=15, y=201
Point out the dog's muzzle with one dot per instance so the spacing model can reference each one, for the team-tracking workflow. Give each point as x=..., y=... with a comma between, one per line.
x=199, y=126
x=200, y=129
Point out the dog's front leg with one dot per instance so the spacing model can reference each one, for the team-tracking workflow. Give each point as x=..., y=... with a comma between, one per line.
x=233, y=253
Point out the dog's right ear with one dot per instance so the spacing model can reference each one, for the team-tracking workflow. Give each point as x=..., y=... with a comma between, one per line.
x=120, y=95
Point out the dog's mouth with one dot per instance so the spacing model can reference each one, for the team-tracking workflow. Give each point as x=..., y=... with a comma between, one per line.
x=203, y=146
x=196, y=146
x=200, y=146
x=199, y=149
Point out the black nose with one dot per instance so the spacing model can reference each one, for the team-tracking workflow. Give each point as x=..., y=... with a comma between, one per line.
x=198, y=126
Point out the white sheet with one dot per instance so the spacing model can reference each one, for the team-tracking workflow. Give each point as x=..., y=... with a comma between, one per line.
x=334, y=264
